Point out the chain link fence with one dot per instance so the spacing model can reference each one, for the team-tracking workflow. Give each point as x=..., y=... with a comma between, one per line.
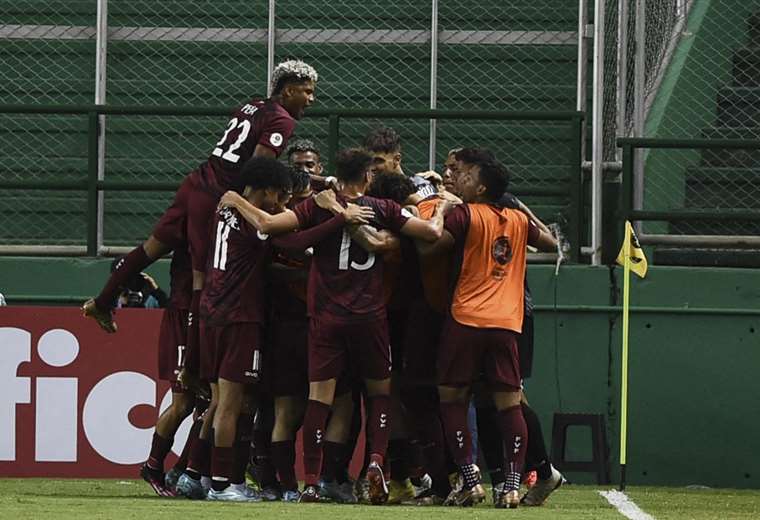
x=700, y=79
x=370, y=54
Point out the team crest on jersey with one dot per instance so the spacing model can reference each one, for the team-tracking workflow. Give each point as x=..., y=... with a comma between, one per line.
x=501, y=250
x=229, y=217
x=276, y=139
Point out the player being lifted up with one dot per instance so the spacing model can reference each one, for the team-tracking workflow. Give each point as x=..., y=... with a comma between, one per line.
x=257, y=128
x=485, y=315
x=347, y=312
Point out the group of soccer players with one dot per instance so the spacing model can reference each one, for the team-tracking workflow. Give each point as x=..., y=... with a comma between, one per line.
x=327, y=303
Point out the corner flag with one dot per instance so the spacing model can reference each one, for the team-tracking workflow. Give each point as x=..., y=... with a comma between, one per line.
x=638, y=262
x=632, y=258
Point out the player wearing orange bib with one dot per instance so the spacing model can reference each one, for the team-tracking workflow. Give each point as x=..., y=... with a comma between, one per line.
x=485, y=315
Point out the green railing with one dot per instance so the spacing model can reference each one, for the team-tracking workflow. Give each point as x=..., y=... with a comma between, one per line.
x=630, y=144
x=92, y=185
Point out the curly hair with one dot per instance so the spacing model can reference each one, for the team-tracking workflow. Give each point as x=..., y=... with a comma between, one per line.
x=383, y=139
x=301, y=145
x=392, y=186
x=292, y=71
x=262, y=173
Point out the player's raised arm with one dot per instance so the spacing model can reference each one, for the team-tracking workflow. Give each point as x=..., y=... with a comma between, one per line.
x=258, y=218
x=427, y=230
x=373, y=240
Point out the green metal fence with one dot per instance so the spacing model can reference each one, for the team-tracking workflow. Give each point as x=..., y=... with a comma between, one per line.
x=702, y=211
x=565, y=194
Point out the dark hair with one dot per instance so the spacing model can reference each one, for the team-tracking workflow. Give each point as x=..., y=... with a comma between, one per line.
x=383, y=140
x=262, y=173
x=352, y=164
x=301, y=145
x=493, y=175
x=301, y=180
x=474, y=155
x=391, y=186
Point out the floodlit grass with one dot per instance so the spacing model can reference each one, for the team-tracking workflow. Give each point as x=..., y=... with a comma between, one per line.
x=37, y=498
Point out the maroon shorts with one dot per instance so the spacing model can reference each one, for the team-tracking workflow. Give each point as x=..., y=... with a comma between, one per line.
x=188, y=219
x=465, y=352
x=236, y=351
x=288, y=372
x=172, y=339
x=335, y=346
x=421, y=340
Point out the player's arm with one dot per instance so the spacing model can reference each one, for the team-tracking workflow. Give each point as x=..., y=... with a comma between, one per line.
x=525, y=209
x=540, y=239
x=373, y=240
x=258, y=218
x=264, y=151
x=427, y=230
x=441, y=246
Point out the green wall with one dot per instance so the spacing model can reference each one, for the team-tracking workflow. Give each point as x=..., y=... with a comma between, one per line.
x=694, y=411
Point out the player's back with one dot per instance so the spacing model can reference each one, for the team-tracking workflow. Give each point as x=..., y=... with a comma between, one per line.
x=346, y=281
x=259, y=121
x=491, y=243
x=234, y=290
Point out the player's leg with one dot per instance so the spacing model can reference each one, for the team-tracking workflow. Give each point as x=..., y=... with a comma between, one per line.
x=261, y=468
x=327, y=361
x=321, y=395
x=288, y=417
x=334, y=449
x=502, y=370
x=458, y=362
x=231, y=396
x=191, y=483
x=169, y=232
x=537, y=458
x=489, y=433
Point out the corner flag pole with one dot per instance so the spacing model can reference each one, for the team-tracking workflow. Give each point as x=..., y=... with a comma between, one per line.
x=624, y=360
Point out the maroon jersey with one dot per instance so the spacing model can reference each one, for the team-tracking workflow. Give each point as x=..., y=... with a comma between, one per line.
x=263, y=122
x=234, y=291
x=180, y=278
x=345, y=281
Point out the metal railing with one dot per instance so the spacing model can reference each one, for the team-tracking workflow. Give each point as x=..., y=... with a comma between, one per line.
x=628, y=212
x=572, y=187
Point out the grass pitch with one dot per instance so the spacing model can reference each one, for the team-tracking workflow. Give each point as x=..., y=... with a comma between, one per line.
x=60, y=499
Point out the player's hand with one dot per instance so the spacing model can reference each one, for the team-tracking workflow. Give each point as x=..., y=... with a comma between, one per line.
x=188, y=380
x=445, y=206
x=325, y=199
x=356, y=214
x=431, y=176
x=150, y=281
x=229, y=200
x=447, y=195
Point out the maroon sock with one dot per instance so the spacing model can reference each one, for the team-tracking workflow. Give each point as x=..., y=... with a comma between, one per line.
x=378, y=426
x=515, y=435
x=195, y=430
x=192, y=347
x=332, y=461
x=242, y=448
x=222, y=464
x=284, y=461
x=130, y=266
x=454, y=416
x=200, y=457
x=158, y=450
x=397, y=460
x=314, y=423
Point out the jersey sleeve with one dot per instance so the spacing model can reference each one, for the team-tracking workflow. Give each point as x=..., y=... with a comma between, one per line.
x=276, y=131
x=393, y=215
x=457, y=222
x=301, y=240
x=306, y=213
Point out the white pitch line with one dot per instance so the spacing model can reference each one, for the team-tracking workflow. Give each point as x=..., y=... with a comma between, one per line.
x=625, y=505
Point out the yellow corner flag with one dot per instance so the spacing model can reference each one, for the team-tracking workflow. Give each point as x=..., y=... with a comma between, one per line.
x=632, y=249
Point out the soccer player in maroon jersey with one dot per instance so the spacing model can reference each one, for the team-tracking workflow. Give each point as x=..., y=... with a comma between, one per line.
x=233, y=308
x=485, y=314
x=257, y=128
x=347, y=313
